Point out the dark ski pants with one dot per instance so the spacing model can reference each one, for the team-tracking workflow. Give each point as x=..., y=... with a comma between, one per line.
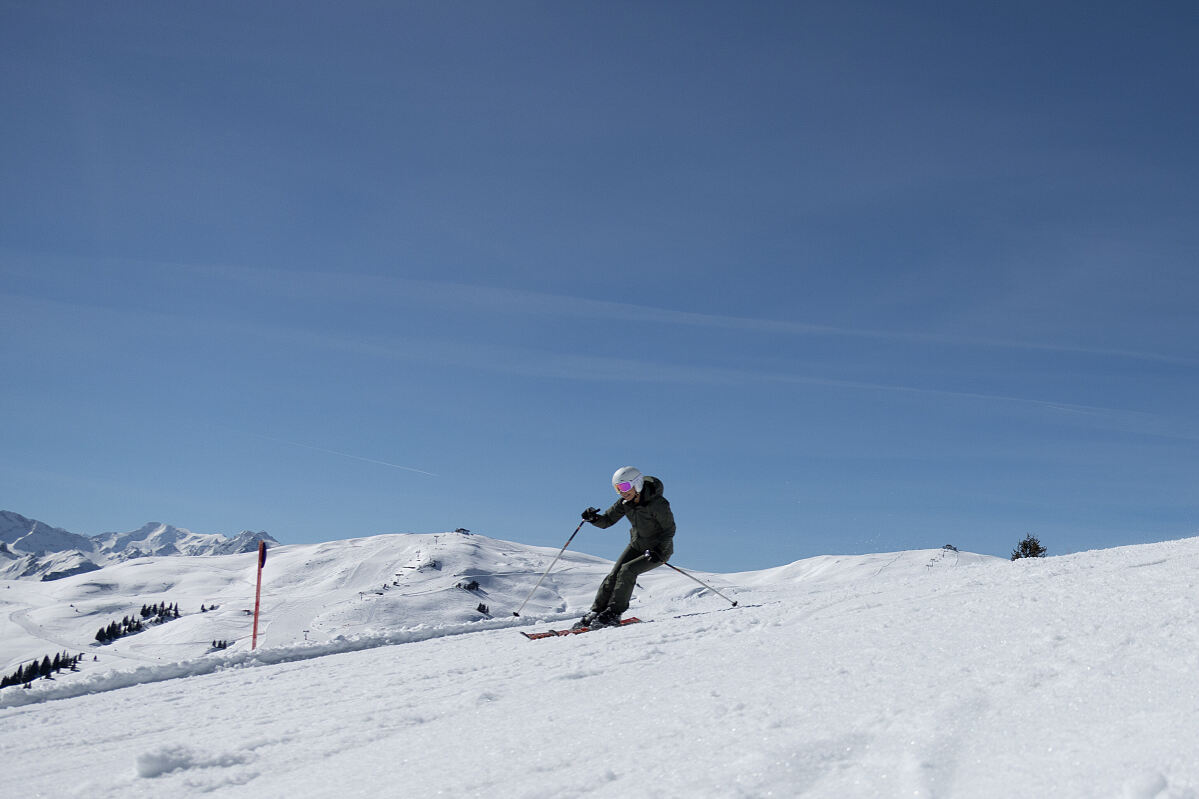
x=617, y=588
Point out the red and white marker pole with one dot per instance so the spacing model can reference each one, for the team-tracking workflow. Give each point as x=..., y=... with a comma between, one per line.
x=258, y=593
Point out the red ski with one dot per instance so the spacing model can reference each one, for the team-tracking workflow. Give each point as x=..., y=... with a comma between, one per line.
x=556, y=633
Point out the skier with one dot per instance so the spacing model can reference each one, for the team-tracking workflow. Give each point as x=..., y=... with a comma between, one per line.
x=651, y=542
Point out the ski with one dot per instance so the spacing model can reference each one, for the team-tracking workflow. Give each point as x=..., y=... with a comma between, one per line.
x=556, y=633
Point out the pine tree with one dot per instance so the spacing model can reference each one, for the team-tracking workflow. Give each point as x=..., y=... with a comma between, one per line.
x=1030, y=547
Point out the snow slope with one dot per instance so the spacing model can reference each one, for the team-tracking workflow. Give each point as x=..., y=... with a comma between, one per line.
x=926, y=674
x=312, y=594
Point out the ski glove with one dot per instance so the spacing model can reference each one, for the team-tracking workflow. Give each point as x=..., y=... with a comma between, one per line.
x=591, y=514
x=653, y=557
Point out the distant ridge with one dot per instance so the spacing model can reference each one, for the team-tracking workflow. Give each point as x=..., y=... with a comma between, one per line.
x=32, y=549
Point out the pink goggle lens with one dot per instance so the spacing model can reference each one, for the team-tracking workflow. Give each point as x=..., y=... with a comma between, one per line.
x=624, y=488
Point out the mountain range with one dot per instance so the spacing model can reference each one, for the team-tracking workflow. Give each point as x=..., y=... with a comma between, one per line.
x=31, y=549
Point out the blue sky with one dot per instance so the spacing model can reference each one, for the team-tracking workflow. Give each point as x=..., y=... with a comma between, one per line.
x=849, y=277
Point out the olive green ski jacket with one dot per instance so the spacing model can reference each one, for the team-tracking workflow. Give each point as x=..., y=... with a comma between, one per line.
x=650, y=515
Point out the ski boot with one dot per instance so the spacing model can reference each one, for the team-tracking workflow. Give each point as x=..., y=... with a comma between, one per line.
x=605, y=618
x=586, y=621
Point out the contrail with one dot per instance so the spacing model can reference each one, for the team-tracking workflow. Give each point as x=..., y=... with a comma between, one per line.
x=345, y=455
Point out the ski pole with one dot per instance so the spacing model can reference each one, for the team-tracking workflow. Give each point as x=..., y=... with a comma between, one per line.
x=701, y=582
x=547, y=571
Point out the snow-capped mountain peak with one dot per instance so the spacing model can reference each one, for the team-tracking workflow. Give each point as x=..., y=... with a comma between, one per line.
x=30, y=536
x=37, y=550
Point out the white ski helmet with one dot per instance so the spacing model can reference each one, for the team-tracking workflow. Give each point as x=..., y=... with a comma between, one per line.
x=629, y=475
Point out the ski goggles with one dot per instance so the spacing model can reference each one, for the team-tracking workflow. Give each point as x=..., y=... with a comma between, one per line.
x=623, y=488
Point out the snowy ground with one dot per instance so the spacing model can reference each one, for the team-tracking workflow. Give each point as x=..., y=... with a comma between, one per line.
x=921, y=674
